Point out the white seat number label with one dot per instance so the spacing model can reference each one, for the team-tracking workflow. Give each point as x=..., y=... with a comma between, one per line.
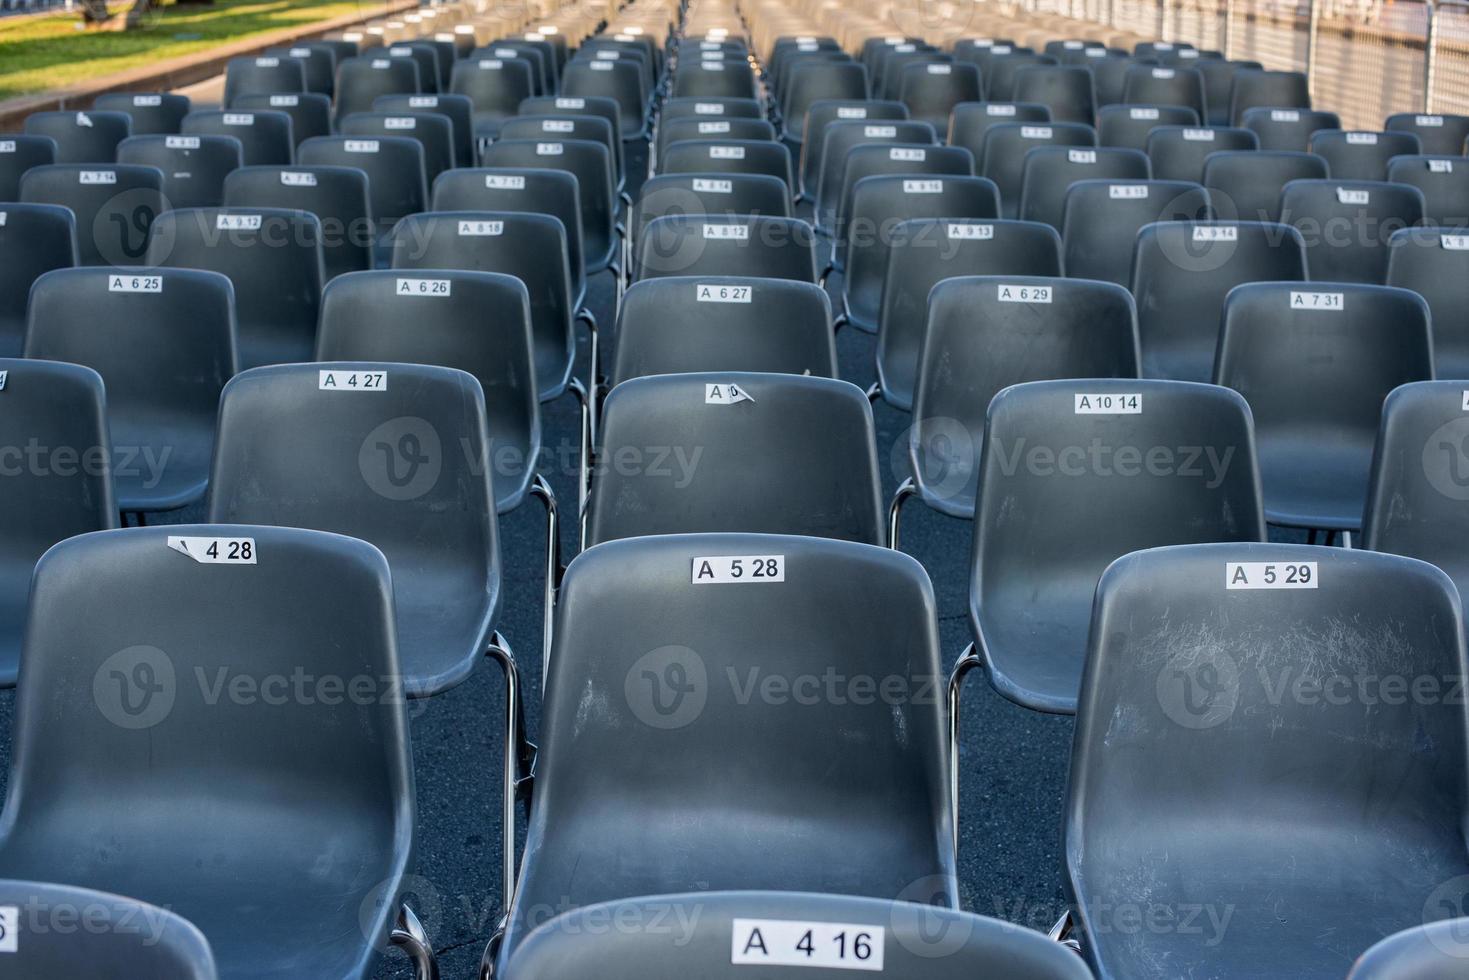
x=726, y=152
x=352, y=380
x=215, y=551
x=736, y=233
x=237, y=222
x=725, y=394
x=713, y=186
x=135, y=284
x=712, y=293
x=1316, y=301
x=733, y=569
x=830, y=945
x=972, y=232
x=1270, y=575
x=1007, y=292
x=424, y=287
x=1124, y=403
x=480, y=229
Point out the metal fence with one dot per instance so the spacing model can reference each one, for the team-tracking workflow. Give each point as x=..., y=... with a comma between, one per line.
x=1367, y=59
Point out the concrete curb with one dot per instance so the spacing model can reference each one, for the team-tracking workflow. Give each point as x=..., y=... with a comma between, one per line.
x=178, y=72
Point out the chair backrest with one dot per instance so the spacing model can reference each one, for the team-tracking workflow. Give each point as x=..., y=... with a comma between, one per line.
x=1434, y=263
x=566, y=126
x=362, y=79
x=1219, y=85
x=433, y=131
x=397, y=180
x=1005, y=147
x=318, y=65
x=716, y=78
x=873, y=160
x=1154, y=85
x=534, y=190
x=458, y=109
x=439, y=318
x=161, y=405
x=932, y=89
x=844, y=136
x=926, y=251
x=714, y=193
x=646, y=743
x=707, y=108
x=819, y=81
x=336, y=195
x=193, y=167
x=1130, y=125
x=1444, y=182
x=34, y=239
x=819, y=118
x=530, y=247
x=1315, y=362
x=1101, y=219
x=1346, y=225
x=1110, y=73
x=717, y=155
x=1440, y=134
x=1001, y=70
x=20, y=152
x=121, y=938
x=393, y=454
x=262, y=75
x=1180, y=152
x=81, y=137
x=271, y=255
x=687, y=324
x=114, y=204
x=1210, y=652
x=1068, y=93
x=817, y=441
x=426, y=56
x=1246, y=184
x=62, y=407
x=719, y=128
x=152, y=113
x=266, y=138
x=1181, y=274
x=727, y=932
x=495, y=86
x=168, y=693
x=1358, y=155
x=879, y=205
x=971, y=120
x=1420, y=480
x=1050, y=171
x=310, y=112
x=1286, y=129
x=1074, y=475
x=1252, y=88
x=1006, y=330
x=731, y=245
x=622, y=81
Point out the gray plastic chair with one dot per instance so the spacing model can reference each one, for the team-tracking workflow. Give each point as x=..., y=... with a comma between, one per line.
x=1074, y=475
x=62, y=406
x=164, y=342
x=1287, y=129
x=125, y=701
x=82, y=137
x=817, y=442
x=152, y=113
x=336, y=195
x=688, y=324
x=1315, y=361
x=926, y=251
x=620, y=808
x=1181, y=273
x=1180, y=152
x=1441, y=134
x=1359, y=155
x=20, y=152
x=62, y=932
x=1100, y=220
x=34, y=239
x=193, y=167
x=274, y=259
x=1245, y=185
x=1346, y=225
x=1285, y=851
x=266, y=137
x=731, y=245
x=1005, y=330
x=397, y=458
x=1434, y=263
x=114, y=205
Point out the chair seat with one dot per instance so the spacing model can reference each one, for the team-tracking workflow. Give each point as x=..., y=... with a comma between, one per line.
x=288, y=908
x=15, y=583
x=161, y=469
x=1308, y=484
x=1034, y=641
x=443, y=624
x=1285, y=917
